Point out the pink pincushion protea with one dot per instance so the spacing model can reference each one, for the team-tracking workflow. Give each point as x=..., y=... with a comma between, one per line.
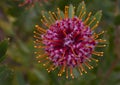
x=69, y=42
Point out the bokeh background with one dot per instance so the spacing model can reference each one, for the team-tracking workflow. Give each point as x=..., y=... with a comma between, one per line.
x=18, y=65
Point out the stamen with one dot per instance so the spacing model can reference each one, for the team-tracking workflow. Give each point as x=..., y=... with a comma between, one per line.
x=88, y=65
x=83, y=69
x=101, y=33
x=66, y=72
x=94, y=59
x=97, y=35
x=81, y=11
x=36, y=37
x=59, y=13
x=39, y=46
x=92, y=21
x=80, y=71
x=50, y=68
x=73, y=12
x=82, y=15
x=37, y=33
x=46, y=20
x=54, y=68
x=61, y=71
x=66, y=11
x=51, y=20
x=88, y=17
x=101, y=40
x=41, y=56
x=98, y=53
x=38, y=41
x=44, y=23
x=71, y=72
x=55, y=15
x=40, y=29
x=62, y=56
x=52, y=16
x=64, y=32
x=100, y=45
x=95, y=25
x=87, y=58
x=73, y=52
x=47, y=63
x=54, y=40
x=37, y=52
x=43, y=60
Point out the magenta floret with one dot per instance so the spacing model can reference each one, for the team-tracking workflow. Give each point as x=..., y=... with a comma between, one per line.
x=69, y=41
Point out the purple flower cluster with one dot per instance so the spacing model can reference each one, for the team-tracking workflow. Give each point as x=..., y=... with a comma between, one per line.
x=69, y=42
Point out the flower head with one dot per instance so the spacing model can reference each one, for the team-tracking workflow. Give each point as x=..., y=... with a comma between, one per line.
x=69, y=41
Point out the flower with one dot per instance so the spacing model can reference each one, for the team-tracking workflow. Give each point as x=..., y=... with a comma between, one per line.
x=69, y=41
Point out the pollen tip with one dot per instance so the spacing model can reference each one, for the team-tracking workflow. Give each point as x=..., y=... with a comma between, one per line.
x=35, y=46
x=48, y=71
x=101, y=11
x=35, y=52
x=83, y=2
x=36, y=26
x=105, y=45
x=44, y=64
x=66, y=77
x=38, y=61
x=85, y=71
x=97, y=60
x=73, y=77
x=92, y=67
x=89, y=68
x=59, y=75
x=94, y=18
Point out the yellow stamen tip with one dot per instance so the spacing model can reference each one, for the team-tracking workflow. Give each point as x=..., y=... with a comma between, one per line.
x=36, y=25
x=67, y=77
x=85, y=71
x=35, y=46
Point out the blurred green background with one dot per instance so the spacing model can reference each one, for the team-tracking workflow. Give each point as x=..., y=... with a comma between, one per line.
x=19, y=66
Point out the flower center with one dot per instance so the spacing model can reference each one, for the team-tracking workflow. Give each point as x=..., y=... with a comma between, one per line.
x=69, y=41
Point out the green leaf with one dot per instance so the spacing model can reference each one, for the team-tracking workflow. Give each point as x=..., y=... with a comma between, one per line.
x=117, y=20
x=3, y=49
x=6, y=76
x=71, y=10
x=22, y=46
x=39, y=75
x=6, y=26
x=97, y=17
x=20, y=78
x=81, y=8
